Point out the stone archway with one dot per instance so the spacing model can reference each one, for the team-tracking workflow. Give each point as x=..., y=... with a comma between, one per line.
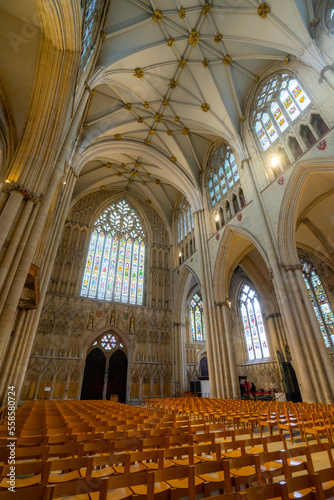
x=92, y=385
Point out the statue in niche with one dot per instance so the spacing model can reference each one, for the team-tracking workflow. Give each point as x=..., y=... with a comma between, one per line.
x=90, y=322
x=132, y=324
x=112, y=318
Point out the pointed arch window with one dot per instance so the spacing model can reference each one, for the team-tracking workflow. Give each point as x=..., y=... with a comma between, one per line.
x=91, y=22
x=185, y=222
x=116, y=257
x=223, y=172
x=255, y=335
x=197, y=318
x=280, y=101
x=320, y=302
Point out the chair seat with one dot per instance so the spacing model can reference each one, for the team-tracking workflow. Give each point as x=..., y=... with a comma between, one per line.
x=270, y=466
x=213, y=477
x=183, y=482
x=62, y=478
x=155, y=465
x=104, y=472
x=255, y=450
x=327, y=485
x=300, y=493
x=232, y=454
x=207, y=458
x=119, y=494
x=243, y=471
x=133, y=468
x=158, y=488
x=184, y=461
x=22, y=482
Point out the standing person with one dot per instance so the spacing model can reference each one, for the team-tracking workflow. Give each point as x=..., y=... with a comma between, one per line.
x=253, y=389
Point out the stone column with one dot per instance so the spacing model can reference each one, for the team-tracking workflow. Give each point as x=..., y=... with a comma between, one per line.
x=281, y=288
x=225, y=390
x=53, y=385
x=38, y=383
x=230, y=352
x=180, y=361
x=105, y=380
x=67, y=386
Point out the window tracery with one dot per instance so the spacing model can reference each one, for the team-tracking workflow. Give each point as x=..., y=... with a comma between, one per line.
x=108, y=342
x=320, y=302
x=185, y=229
x=283, y=119
x=116, y=257
x=91, y=21
x=197, y=318
x=255, y=335
x=223, y=182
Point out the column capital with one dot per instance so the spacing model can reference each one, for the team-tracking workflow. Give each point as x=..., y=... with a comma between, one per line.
x=322, y=72
x=245, y=160
x=219, y=304
x=26, y=193
x=201, y=210
x=178, y=324
x=290, y=267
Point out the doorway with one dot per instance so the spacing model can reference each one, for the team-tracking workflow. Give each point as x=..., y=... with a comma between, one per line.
x=118, y=366
x=92, y=385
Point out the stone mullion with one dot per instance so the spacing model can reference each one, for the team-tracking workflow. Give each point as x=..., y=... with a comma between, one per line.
x=273, y=335
x=280, y=332
x=180, y=360
x=281, y=289
x=105, y=380
x=67, y=386
x=53, y=385
x=320, y=350
x=207, y=296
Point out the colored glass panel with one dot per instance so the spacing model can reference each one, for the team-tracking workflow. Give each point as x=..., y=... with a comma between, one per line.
x=279, y=117
x=96, y=266
x=89, y=264
x=104, y=269
x=247, y=331
x=189, y=220
x=268, y=125
x=259, y=129
x=181, y=228
x=216, y=185
x=126, y=275
x=289, y=105
x=222, y=181
x=119, y=272
x=198, y=321
x=255, y=335
x=299, y=94
x=134, y=273
x=193, y=325
x=234, y=167
x=112, y=267
x=229, y=175
x=212, y=192
x=320, y=302
x=140, y=291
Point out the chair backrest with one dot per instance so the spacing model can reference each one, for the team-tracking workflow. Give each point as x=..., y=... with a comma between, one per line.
x=215, y=466
x=276, y=439
x=300, y=452
x=294, y=484
x=180, y=452
x=69, y=469
x=264, y=492
x=23, y=453
x=322, y=447
x=32, y=492
x=74, y=489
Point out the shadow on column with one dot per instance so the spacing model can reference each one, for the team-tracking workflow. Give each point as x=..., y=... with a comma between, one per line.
x=92, y=386
x=118, y=366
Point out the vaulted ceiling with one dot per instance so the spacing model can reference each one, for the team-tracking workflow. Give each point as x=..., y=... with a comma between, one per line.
x=174, y=76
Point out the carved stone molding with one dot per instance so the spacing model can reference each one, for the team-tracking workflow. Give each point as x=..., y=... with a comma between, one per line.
x=27, y=195
x=294, y=267
x=323, y=71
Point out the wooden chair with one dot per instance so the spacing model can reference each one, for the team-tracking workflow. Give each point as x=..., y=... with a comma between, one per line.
x=236, y=495
x=273, y=464
x=103, y=465
x=26, y=474
x=295, y=463
x=278, y=438
x=68, y=469
x=255, y=446
x=290, y=425
x=123, y=486
x=30, y=492
x=180, y=481
x=245, y=470
x=231, y=449
x=215, y=475
x=307, y=487
x=327, y=481
x=321, y=448
x=66, y=450
x=183, y=455
x=271, y=491
x=82, y=489
x=23, y=453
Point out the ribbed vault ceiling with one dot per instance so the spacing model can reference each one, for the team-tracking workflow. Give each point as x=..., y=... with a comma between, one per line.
x=176, y=76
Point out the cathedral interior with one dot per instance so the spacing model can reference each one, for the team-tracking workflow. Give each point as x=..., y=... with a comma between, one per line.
x=167, y=198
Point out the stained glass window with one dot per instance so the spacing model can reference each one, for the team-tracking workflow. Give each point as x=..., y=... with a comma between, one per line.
x=197, y=318
x=255, y=335
x=108, y=342
x=185, y=222
x=280, y=101
x=223, y=172
x=320, y=302
x=116, y=257
x=91, y=22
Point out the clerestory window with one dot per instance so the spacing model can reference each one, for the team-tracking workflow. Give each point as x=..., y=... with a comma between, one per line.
x=116, y=257
x=197, y=318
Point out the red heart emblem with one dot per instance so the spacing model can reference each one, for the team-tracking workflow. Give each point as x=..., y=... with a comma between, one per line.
x=239, y=216
x=321, y=145
x=280, y=181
